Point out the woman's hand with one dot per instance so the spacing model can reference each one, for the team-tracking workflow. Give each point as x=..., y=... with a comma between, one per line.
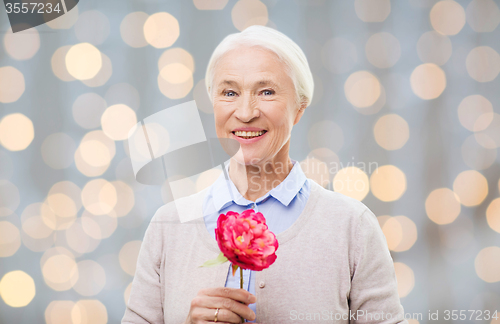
x=231, y=302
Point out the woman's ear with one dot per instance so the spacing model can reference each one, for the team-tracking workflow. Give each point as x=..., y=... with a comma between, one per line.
x=300, y=111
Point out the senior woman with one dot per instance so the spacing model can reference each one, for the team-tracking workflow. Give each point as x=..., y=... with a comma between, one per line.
x=332, y=265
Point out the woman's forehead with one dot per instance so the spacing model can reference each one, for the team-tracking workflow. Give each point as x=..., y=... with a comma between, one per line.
x=250, y=66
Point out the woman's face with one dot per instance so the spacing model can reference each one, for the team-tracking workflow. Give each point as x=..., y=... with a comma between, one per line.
x=253, y=92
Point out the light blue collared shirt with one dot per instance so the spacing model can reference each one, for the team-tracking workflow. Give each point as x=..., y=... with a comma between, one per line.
x=281, y=207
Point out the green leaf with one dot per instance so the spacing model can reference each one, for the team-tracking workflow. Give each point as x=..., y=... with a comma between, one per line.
x=218, y=260
x=235, y=267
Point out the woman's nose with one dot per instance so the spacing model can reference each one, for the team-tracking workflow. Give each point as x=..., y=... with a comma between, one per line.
x=247, y=109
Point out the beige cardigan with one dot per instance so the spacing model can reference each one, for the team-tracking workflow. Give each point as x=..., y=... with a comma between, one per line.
x=333, y=266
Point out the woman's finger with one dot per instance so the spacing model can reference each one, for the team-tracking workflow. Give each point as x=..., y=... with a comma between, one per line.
x=226, y=304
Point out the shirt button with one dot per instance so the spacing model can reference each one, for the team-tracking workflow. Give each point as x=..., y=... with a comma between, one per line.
x=262, y=284
x=253, y=206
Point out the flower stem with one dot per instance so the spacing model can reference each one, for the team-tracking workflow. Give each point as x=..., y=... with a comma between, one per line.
x=241, y=286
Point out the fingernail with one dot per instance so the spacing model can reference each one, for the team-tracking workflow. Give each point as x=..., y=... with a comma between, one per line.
x=253, y=299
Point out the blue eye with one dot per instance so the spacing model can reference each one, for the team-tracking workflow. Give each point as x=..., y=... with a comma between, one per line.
x=268, y=92
x=227, y=93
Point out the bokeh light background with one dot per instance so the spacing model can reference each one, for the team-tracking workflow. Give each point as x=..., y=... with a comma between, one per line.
x=405, y=117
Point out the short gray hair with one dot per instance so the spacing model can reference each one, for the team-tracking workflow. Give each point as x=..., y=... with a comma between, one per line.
x=285, y=48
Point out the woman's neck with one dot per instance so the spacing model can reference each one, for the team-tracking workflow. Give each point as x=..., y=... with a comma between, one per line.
x=254, y=181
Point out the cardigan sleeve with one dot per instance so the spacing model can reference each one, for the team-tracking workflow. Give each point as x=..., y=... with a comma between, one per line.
x=373, y=297
x=145, y=304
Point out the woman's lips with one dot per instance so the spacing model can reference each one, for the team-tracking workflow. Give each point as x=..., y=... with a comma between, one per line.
x=248, y=140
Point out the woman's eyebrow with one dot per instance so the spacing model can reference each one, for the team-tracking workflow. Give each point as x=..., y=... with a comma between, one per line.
x=266, y=82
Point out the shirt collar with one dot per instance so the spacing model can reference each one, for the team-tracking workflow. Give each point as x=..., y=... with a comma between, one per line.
x=284, y=192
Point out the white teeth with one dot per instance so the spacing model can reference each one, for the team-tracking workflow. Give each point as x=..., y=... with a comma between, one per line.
x=248, y=134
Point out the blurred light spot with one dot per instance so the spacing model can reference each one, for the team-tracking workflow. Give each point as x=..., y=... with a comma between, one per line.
x=103, y=75
x=49, y=217
x=483, y=15
x=409, y=233
x=94, y=154
x=6, y=168
x=126, y=294
x=489, y=137
x=91, y=279
x=388, y=183
x=391, y=132
x=9, y=198
x=326, y=134
x=161, y=30
x=64, y=199
x=428, y=80
x=65, y=21
x=483, y=64
x=32, y=222
x=442, y=206
x=58, y=150
x=393, y=232
x=78, y=239
x=17, y=288
x=207, y=178
x=83, y=61
x=123, y=93
x=16, y=132
x=89, y=311
x=10, y=240
x=107, y=225
x=58, y=63
x=175, y=90
x=405, y=278
x=362, y=89
x=22, y=45
x=87, y=110
x=471, y=108
x=210, y=5
x=11, y=84
x=433, y=47
x=200, y=95
x=125, y=198
x=447, y=17
x=59, y=312
x=176, y=73
x=92, y=27
x=246, y=13
x=487, y=264
x=131, y=29
x=117, y=120
x=476, y=156
x=99, y=196
x=176, y=55
x=316, y=170
x=471, y=188
x=383, y=50
x=372, y=10
x=375, y=108
x=128, y=256
x=60, y=272
x=352, y=182
x=339, y=55
x=493, y=215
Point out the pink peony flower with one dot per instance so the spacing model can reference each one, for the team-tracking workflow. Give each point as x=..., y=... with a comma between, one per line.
x=245, y=240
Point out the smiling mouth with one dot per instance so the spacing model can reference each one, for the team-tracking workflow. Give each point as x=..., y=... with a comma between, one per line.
x=247, y=135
